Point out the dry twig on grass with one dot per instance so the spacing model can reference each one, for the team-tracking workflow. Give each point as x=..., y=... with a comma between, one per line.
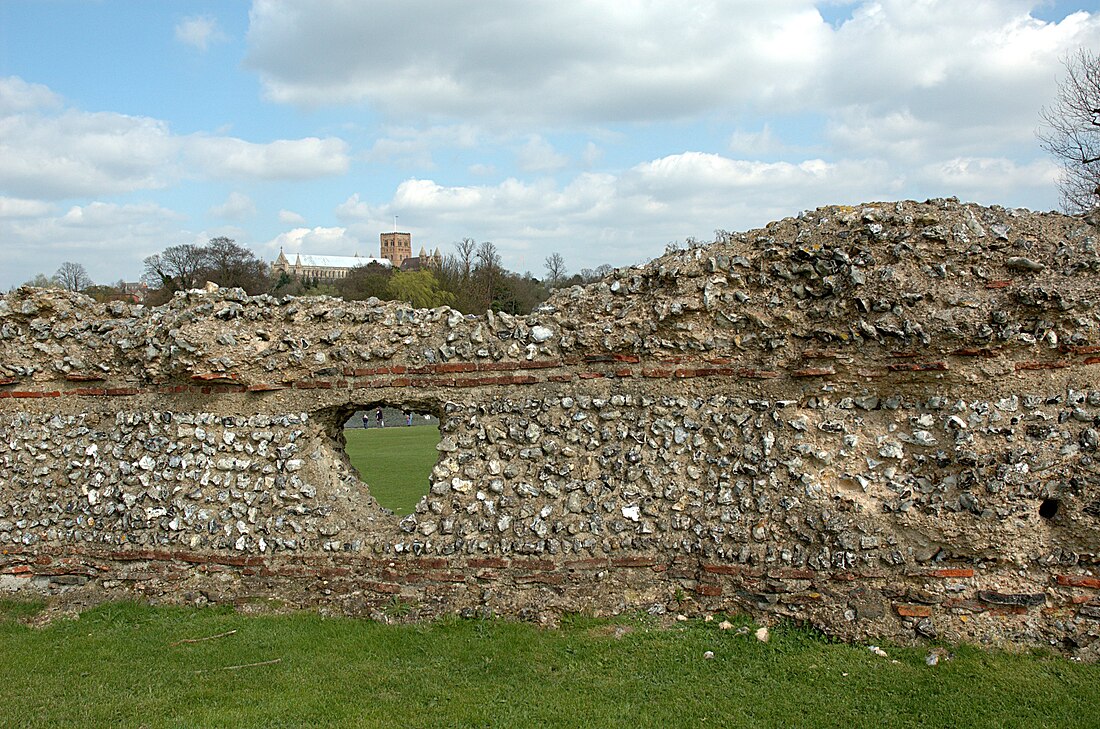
x=199, y=640
x=243, y=665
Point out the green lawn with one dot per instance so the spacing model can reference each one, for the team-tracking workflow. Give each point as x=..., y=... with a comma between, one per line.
x=394, y=462
x=123, y=665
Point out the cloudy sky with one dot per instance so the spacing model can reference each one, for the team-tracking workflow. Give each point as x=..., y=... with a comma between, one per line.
x=599, y=129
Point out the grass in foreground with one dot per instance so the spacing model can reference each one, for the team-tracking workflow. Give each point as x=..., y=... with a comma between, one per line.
x=123, y=665
x=394, y=462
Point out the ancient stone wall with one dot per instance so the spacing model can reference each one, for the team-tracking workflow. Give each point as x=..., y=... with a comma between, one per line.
x=882, y=420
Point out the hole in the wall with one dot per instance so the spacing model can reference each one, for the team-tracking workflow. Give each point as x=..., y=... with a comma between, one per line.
x=393, y=454
x=1048, y=509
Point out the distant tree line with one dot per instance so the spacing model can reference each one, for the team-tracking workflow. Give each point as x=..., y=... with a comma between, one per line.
x=472, y=279
x=74, y=277
x=187, y=266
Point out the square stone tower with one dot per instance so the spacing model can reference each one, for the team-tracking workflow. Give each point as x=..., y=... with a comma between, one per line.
x=396, y=247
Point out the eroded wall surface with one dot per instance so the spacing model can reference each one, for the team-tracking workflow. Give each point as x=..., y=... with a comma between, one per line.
x=882, y=420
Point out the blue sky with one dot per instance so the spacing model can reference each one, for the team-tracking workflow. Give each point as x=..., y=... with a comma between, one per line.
x=599, y=130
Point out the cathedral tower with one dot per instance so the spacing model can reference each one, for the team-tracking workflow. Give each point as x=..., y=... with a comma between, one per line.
x=396, y=247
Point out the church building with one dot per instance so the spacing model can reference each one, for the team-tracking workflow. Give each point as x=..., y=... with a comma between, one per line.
x=397, y=247
x=395, y=250
x=322, y=268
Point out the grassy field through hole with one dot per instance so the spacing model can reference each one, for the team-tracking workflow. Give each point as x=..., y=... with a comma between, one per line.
x=395, y=462
x=131, y=665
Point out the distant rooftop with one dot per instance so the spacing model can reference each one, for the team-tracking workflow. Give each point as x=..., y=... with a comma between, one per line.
x=307, y=259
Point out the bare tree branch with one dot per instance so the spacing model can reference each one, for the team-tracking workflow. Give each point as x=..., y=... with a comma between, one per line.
x=222, y=261
x=200, y=640
x=466, y=248
x=555, y=269
x=1071, y=132
x=176, y=268
x=73, y=276
x=241, y=665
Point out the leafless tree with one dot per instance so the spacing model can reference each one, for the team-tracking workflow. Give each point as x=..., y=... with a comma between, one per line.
x=487, y=256
x=487, y=273
x=221, y=261
x=592, y=275
x=555, y=269
x=1071, y=132
x=465, y=249
x=227, y=263
x=176, y=268
x=73, y=276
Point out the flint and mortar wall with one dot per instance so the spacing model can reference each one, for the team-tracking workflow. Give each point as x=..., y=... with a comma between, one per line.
x=882, y=420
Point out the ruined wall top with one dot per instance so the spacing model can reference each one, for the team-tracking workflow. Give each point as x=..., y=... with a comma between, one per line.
x=931, y=278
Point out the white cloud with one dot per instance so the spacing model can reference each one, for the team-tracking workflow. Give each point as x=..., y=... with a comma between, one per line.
x=538, y=155
x=426, y=194
x=481, y=169
x=580, y=60
x=406, y=152
x=990, y=180
x=77, y=153
x=49, y=151
x=898, y=135
x=413, y=147
x=589, y=60
x=109, y=239
x=942, y=48
x=763, y=142
x=13, y=207
x=353, y=208
x=591, y=154
x=901, y=81
x=691, y=170
x=198, y=31
x=963, y=74
x=283, y=159
x=289, y=217
x=331, y=241
x=16, y=95
x=237, y=206
x=100, y=215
